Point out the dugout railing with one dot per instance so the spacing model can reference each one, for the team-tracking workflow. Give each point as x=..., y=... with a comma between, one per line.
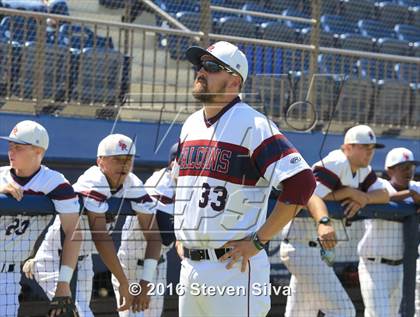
x=136, y=71
x=36, y=206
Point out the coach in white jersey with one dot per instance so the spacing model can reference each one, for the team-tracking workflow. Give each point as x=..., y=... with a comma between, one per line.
x=161, y=187
x=382, y=246
x=343, y=175
x=25, y=175
x=229, y=158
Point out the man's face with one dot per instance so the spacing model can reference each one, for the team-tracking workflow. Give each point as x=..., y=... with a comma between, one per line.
x=361, y=155
x=23, y=156
x=209, y=86
x=116, y=168
x=402, y=174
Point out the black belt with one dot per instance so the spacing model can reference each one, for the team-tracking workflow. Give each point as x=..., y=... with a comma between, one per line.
x=141, y=262
x=203, y=254
x=5, y=268
x=79, y=258
x=388, y=261
x=311, y=244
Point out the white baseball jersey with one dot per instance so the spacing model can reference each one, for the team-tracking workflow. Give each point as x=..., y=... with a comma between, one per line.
x=20, y=232
x=226, y=168
x=384, y=238
x=160, y=186
x=94, y=188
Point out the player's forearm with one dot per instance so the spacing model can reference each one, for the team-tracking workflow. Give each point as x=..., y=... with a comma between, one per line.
x=379, y=196
x=154, y=243
x=281, y=215
x=339, y=195
x=106, y=249
x=72, y=241
x=317, y=208
x=401, y=195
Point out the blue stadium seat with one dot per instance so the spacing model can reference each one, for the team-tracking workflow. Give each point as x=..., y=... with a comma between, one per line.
x=296, y=13
x=277, y=31
x=407, y=32
x=376, y=69
x=258, y=8
x=356, y=42
x=336, y=64
x=355, y=101
x=331, y=7
x=19, y=29
x=393, y=46
x=408, y=73
x=416, y=16
x=415, y=109
x=177, y=45
x=409, y=3
x=391, y=103
x=392, y=13
x=336, y=24
x=56, y=82
x=375, y=29
x=325, y=39
x=58, y=7
x=416, y=49
x=237, y=27
x=277, y=7
x=355, y=10
x=113, y=4
x=99, y=77
x=36, y=6
x=75, y=36
x=237, y=4
x=174, y=6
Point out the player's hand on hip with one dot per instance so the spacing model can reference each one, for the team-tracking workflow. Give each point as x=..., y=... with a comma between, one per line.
x=141, y=302
x=326, y=236
x=12, y=189
x=126, y=299
x=29, y=268
x=351, y=208
x=179, y=249
x=241, y=250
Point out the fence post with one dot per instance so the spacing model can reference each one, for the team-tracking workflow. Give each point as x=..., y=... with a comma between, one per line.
x=205, y=22
x=313, y=66
x=411, y=242
x=40, y=60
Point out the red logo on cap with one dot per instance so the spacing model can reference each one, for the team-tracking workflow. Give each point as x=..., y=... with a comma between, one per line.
x=406, y=156
x=15, y=130
x=210, y=48
x=122, y=145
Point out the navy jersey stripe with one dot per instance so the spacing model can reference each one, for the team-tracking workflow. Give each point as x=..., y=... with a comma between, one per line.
x=327, y=178
x=94, y=195
x=143, y=199
x=163, y=199
x=271, y=150
x=369, y=180
x=62, y=192
x=219, y=160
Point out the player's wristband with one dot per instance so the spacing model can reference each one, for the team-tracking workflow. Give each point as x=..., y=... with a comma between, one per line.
x=257, y=242
x=149, y=269
x=66, y=272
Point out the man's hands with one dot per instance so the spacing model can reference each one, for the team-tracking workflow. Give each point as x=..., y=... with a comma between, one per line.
x=326, y=236
x=29, y=268
x=12, y=189
x=244, y=249
x=416, y=197
x=355, y=202
x=141, y=302
x=126, y=299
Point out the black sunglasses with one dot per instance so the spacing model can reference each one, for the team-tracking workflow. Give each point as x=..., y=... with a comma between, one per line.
x=213, y=67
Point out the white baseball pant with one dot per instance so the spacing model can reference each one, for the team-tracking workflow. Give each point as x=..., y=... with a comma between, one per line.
x=134, y=272
x=381, y=286
x=9, y=291
x=214, y=273
x=46, y=274
x=314, y=285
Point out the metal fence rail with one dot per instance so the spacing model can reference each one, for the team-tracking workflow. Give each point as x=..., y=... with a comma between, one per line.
x=57, y=61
